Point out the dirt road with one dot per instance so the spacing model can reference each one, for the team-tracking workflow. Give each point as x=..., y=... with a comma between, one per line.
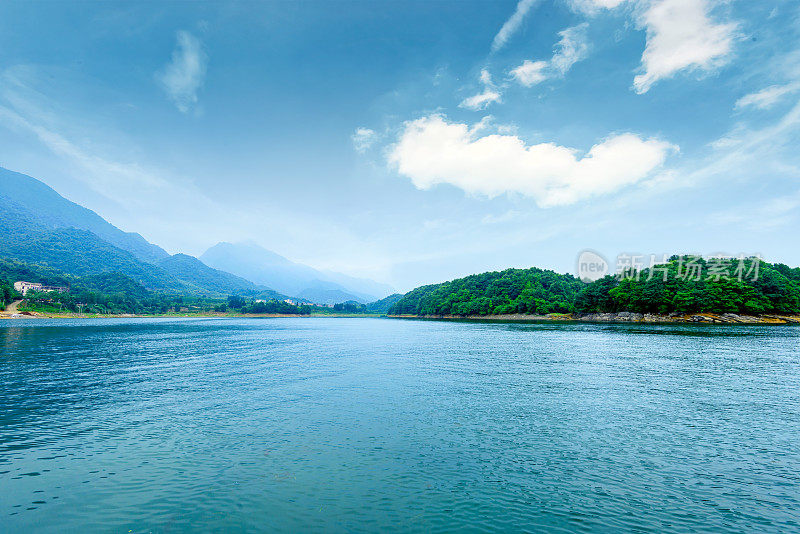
x=12, y=308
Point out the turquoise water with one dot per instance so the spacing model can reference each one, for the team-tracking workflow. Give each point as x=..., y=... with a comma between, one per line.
x=355, y=425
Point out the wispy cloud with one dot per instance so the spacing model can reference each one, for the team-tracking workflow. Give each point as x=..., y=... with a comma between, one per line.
x=146, y=197
x=681, y=35
x=363, y=139
x=571, y=48
x=489, y=94
x=741, y=155
x=110, y=178
x=530, y=72
x=761, y=216
x=512, y=24
x=481, y=100
x=593, y=7
x=185, y=74
x=767, y=97
x=432, y=150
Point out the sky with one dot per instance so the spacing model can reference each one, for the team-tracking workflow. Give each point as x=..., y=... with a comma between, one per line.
x=416, y=142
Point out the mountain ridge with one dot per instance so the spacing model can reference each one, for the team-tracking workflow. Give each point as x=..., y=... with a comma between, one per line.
x=263, y=266
x=46, y=206
x=41, y=227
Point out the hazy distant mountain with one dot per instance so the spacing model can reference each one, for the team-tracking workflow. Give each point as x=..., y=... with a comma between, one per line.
x=262, y=266
x=367, y=289
x=322, y=295
x=190, y=269
x=46, y=207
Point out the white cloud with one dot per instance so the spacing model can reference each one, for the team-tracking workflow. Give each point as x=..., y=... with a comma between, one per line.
x=571, y=48
x=767, y=97
x=512, y=24
x=530, y=72
x=481, y=100
x=593, y=7
x=183, y=76
x=363, y=138
x=431, y=150
x=681, y=35
x=607, y=4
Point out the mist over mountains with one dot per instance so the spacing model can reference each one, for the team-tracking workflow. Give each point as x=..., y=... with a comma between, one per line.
x=41, y=227
x=262, y=266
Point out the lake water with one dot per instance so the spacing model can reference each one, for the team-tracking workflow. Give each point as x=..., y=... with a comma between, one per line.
x=355, y=425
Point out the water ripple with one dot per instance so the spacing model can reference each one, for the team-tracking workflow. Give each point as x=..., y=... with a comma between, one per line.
x=361, y=425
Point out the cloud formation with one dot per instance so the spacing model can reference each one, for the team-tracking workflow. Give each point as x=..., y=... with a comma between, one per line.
x=530, y=72
x=680, y=35
x=431, y=150
x=183, y=76
x=363, y=139
x=571, y=48
x=512, y=24
x=767, y=97
x=592, y=7
x=481, y=100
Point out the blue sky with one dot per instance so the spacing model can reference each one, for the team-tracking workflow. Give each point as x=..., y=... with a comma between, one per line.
x=413, y=142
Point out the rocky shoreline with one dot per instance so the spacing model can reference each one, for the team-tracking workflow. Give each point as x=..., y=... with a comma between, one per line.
x=631, y=317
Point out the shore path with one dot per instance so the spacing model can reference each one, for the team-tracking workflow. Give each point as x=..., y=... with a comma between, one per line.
x=12, y=308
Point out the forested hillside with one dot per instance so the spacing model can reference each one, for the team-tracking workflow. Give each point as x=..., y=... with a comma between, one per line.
x=686, y=284
x=532, y=291
x=35, y=201
x=100, y=293
x=42, y=228
x=690, y=284
x=115, y=293
x=79, y=253
x=82, y=253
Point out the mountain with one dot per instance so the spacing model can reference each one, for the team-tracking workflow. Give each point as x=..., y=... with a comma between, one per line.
x=321, y=295
x=190, y=269
x=77, y=252
x=385, y=304
x=39, y=226
x=50, y=210
x=367, y=289
x=262, y=266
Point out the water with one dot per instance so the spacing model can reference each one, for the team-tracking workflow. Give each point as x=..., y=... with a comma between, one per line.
x=373, y=424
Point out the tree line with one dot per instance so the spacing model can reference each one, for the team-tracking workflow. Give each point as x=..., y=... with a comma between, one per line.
x=527, y=291
x=751, y=287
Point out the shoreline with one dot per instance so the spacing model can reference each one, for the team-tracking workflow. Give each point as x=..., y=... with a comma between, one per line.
x=207, y=315
x=618, y=317
x=625, y=318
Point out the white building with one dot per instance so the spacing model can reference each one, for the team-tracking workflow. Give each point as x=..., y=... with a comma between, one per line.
x=24, y=287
